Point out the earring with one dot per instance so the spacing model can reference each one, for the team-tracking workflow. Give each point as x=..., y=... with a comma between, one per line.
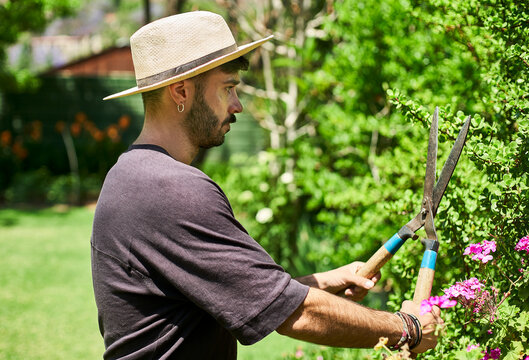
x=180, y=108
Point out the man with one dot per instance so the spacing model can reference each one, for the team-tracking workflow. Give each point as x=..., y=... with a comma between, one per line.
x=175, y=275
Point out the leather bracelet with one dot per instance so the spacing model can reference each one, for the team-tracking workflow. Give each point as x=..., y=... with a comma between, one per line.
x=405, y=332
x=418, y=328
x=412, y=326
x=412, y=330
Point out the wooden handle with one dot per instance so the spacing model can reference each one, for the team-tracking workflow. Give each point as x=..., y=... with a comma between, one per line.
x=375, y=263
x=382, y=256
x=423, y=288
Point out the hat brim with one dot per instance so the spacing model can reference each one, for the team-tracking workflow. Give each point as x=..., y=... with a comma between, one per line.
x=198, y=70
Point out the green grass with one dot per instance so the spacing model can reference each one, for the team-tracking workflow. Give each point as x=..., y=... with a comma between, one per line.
x=47, y=308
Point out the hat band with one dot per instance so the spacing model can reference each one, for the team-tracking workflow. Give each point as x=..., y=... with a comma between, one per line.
x=156, y=78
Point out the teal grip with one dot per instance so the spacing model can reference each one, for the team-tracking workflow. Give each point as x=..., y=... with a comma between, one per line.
x=428, y=260
x=394, y=244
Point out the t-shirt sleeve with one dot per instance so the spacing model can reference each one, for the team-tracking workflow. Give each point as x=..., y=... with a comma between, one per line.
x=203, y=251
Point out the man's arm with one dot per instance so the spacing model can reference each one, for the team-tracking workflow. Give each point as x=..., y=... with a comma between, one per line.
x=342, y=280
x=327, y=319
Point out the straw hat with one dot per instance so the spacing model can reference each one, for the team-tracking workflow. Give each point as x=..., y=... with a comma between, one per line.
x=181, y=46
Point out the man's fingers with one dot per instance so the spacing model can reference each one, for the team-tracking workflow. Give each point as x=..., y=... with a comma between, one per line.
x=436, y=311
x=355, y=293
x=361, y=281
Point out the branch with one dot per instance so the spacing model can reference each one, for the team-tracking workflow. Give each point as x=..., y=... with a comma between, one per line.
x=525, y=62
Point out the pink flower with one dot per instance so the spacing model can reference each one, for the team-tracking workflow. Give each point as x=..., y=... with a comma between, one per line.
x=472, y=347
x=442, y=301
x=467, y=289
x=523, y=244
x=494, y=354
x=481, y=250
x=299, y=354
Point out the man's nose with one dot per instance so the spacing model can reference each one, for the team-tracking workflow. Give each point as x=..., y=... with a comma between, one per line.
x=235, y=106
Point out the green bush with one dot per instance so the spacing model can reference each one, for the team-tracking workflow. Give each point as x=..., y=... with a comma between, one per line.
x=31, y=186
x=355, y=181
x=40, y=187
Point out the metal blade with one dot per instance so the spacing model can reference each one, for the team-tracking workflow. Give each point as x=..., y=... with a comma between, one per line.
x=431, y=160
x=429, y=225
x=449, y=166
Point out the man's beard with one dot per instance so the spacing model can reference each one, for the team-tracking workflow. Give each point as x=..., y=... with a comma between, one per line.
x=203, y=125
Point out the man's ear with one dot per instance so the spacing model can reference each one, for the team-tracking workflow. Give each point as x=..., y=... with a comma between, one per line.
x=179, y=91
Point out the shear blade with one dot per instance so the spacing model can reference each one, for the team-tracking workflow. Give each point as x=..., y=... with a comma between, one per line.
x=449, y=166
x=431, y=160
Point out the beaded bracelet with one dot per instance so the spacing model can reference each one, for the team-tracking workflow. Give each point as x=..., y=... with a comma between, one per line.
x=405, y=333
x=412, y=332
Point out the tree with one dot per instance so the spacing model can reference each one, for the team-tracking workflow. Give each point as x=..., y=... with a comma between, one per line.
x=349, y=183
x=278, y=102
x=19, y=17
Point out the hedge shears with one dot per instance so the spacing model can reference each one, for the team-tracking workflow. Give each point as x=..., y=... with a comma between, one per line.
x=431, y=198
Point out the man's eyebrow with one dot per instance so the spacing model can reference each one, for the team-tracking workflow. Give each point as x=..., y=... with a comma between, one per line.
x=233, y=82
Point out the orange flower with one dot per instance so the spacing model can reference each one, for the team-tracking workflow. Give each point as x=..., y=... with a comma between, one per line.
x=5, y=138
x=75, y=129
x=36, y=130
x=124, y=122
x=19, y=150
x=89, y=126
x=59, y=126
x=80, y=117
x=113, y=133
x=98, y=135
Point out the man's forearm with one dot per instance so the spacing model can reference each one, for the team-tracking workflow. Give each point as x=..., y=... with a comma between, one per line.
x=327, y=319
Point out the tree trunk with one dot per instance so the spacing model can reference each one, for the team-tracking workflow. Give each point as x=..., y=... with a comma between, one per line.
x=146, y=11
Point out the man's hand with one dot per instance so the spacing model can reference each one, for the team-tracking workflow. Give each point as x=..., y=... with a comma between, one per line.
x=358, y=286
x=342, y=281
x=429, y=322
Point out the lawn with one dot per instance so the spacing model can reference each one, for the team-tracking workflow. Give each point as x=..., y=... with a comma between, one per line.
x=47, y=306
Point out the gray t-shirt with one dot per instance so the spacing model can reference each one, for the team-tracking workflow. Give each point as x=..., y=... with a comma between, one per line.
x=175, y=275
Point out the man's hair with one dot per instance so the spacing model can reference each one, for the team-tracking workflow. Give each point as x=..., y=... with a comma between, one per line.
x=151, y=99
x=238, y=64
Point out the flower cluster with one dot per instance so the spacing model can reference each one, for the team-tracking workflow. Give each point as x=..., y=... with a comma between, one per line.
x=471, y=294
x=493, y=354
x=481, y=251
x=443, y=302
x=523, y=244
x=472, y=347
x=467, y=290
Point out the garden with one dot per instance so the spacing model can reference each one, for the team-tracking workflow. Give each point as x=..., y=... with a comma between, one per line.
x=344, y=96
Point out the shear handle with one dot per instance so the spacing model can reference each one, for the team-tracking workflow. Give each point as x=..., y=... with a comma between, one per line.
x=385, y=253
x=423, y=288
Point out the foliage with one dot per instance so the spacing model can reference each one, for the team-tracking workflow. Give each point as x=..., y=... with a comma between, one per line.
x=358, y=177
x=77, y=177
x=19, y=17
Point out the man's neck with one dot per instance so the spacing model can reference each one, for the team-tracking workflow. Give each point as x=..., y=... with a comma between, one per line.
x=171, y=137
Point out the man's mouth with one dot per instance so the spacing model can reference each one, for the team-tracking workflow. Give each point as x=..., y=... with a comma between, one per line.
x=231, y=119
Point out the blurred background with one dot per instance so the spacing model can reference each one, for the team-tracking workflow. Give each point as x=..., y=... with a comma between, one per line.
x=325, y=163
